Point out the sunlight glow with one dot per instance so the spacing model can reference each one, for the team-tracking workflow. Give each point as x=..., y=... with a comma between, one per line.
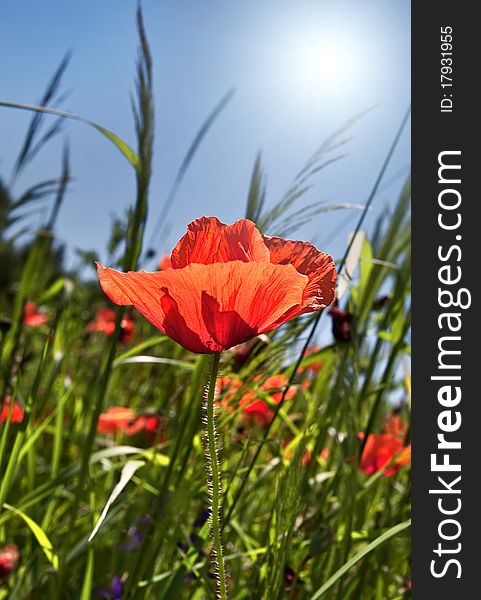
x=331, y=65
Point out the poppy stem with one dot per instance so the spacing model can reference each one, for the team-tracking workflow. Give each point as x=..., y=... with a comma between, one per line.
x=214, y=476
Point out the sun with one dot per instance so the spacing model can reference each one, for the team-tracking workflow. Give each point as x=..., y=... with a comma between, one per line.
x=323, y=64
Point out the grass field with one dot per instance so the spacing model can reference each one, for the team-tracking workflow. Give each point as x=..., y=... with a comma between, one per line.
x=101, y=426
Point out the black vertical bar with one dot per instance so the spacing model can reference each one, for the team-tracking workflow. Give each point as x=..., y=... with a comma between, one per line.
x=446, y=561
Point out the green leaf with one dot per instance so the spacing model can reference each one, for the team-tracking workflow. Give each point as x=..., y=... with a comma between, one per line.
x=38, y=532
x=350, y=264
x=365, y=266
x=144, y=359
x=126, y=475
x=159, y=339
x=52, y=291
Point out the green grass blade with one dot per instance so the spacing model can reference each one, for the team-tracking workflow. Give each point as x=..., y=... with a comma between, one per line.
x=119, y=143
x=387, y=535
x=38, y=532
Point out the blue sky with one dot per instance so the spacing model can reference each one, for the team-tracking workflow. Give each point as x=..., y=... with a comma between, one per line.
x=300, y=70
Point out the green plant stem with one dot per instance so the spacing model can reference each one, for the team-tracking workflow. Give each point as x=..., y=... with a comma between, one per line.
x=214, y=476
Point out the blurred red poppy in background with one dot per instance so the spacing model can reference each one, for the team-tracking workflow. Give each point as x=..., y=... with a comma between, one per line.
x=32, y=317
x=380, y=449
x=227, y=284
x=104, y=322
x=9, y=557
x=227, y=387
x=259, y=409
x=17, y=411
x=165, y=262
x=118, y=419
x=395, y=425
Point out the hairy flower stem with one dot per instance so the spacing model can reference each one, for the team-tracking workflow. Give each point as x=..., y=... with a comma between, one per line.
x=213, y=476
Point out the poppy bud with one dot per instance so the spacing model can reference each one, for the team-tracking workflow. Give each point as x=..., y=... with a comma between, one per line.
x=9, y=557
x=381, y=302
x=341, y=324
x=243, y=352
x=32, y=317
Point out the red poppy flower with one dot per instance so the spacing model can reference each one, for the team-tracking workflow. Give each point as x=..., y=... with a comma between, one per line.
x=116, y=418
x=227, y=284
x=126, y=421
x=9, y=557
x=259, y=409
x=394, y=425
x=104, y=322
x=165, y=262
x=150, y=425
x=17, y=411
x=32, y=317
x=226, y=388
x=380, y=449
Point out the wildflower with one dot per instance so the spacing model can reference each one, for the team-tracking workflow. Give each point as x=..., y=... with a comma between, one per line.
x=292, y=582
x=394, y=425
x=9, y=557
x=115, y=591
x=165, y=262
x=341, y=324
x=17, y=411
x=380, y=449
x=125, y=420
x=32, y=317
x=116, y=418
x=135, y=535
x=226, y=387
x=227, y=284
x=258, y=409
x=150, y=425
x=104, y=322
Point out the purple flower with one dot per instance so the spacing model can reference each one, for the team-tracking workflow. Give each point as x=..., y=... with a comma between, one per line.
x=135, y=535
x=133, y=541
x=115, y=591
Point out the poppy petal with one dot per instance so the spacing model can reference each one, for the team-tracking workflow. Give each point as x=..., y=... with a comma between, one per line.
x=306, y=258
x=380, y=449
x=209, y=241
x=209, y=308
